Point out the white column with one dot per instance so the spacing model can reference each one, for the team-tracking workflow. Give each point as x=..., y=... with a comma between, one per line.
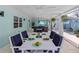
x=59, y=25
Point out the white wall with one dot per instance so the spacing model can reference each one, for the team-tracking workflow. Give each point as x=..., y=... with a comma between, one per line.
x=6, y=24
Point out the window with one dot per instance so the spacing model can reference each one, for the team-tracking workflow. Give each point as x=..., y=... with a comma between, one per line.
x=71, y=25
x=20, y=22
x=17, y=22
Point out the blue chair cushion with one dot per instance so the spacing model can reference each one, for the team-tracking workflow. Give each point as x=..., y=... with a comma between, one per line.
x=24, y=34
x=16, y=40
x=57, y=40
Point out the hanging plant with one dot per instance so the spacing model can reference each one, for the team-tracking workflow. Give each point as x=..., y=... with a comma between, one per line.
x=64, y=18
x=53, y=19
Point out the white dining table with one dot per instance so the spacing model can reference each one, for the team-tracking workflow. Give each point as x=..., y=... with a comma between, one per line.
x=45, y=45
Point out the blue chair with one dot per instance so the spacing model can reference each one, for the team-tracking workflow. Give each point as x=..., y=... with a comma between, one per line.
x=24, y=35
x=57, y=40
x=16, y=42
x=57, y=51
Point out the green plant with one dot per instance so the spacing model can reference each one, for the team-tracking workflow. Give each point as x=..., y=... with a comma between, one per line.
x=76, y=32
x=64, y=18
x=53, y=19
x=37, y=43
x=77, y=35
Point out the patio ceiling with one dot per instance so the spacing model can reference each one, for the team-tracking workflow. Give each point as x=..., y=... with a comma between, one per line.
x=46, y=11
